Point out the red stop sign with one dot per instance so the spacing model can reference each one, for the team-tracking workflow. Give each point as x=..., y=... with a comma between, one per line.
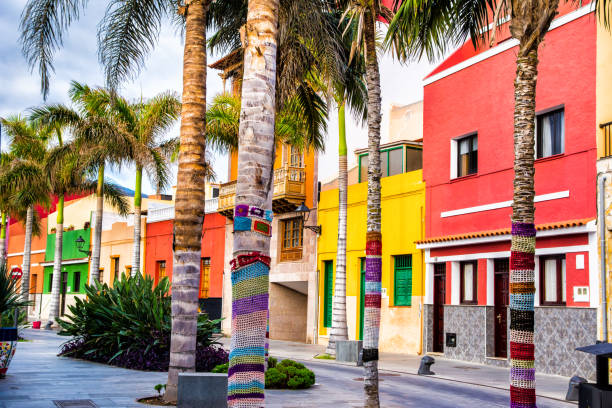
x=16, y=273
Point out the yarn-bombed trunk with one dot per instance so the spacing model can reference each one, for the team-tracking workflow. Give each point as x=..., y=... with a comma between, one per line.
x=250, y=277
x=522, y=290
x=250, y=280
x=372, y=296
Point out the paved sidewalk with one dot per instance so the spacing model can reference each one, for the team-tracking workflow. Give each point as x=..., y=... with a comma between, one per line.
x=37, y=377
x=551, y=386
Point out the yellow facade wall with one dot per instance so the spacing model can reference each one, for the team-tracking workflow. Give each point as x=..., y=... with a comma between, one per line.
x=403, y=204
x=604, y=83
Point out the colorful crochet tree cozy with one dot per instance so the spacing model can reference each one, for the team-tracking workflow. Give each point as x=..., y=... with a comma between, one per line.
x=522, y=290
x=372, y=295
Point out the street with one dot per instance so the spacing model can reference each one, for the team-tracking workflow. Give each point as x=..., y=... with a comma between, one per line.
x=37, y=377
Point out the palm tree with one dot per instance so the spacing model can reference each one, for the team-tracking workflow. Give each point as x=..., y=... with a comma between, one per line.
x=25, y=180
x=128, y=31
x=365, y=13
x=425, y=29
x=102, y=140
x=350, y=89
x=294, y=125
x=143, y=124
x=253, y=205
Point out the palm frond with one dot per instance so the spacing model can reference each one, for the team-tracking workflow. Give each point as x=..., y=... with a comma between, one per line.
x=115, y=197
x=42, y=26
x=128, y=31
x=222, y=123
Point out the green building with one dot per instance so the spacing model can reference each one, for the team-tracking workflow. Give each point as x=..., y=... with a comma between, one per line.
x=75, y=266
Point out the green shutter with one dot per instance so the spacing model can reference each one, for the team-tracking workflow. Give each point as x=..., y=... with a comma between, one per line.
x=402, y=290
x=329, y=293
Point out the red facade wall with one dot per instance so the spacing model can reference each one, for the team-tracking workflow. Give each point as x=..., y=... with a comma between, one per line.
x=480, y=99
x=159, y=248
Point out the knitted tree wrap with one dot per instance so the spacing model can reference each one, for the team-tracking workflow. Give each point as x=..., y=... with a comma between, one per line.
x=522, y=291
x=372, y=295
x=246, y=379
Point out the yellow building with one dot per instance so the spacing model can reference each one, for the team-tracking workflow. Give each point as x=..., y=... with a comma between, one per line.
x=403, y=204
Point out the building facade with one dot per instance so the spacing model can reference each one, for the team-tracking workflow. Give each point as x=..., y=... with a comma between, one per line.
x=468, y=169
x=159, y=254
x=403, y=205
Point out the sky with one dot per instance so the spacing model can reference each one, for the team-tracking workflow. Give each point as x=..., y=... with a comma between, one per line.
x=77, y=60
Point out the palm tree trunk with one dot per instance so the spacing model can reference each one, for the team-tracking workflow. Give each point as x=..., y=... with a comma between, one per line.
x=531, y=20
x=137, y=222
x=189, y=207
x=374, y=236
x=94, y=267
x=253, y=212
x=339, y=329
x=27, y=254
x=57, y=266
x=3, y=239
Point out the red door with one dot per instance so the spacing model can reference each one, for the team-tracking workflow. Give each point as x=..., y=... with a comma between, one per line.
x=502, y=283
x=438, y=308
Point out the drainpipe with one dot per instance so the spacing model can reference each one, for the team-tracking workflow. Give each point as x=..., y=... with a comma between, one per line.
x=602, y=231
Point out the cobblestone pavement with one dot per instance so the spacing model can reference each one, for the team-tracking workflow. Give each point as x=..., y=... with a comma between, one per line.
x=37, y=377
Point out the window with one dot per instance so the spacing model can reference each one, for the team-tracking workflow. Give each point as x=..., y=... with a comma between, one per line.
x=114, y=268
x=296, y=158
x=101, y=275
x=128, y=270
x=392, y=162
x=414, y=159
x=76, y=280
x=469, y=281
x=552, y=277
x=204, y=277
x=50, y=282
x=550, y=133
x=328, y=290
x=215, y=192
x=291, y=243
x=402, y=289
x=33, y=283
x=161, y=270
x=364, y=161
x=467, y=155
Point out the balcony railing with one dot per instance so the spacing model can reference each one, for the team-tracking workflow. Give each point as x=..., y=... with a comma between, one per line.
x=160, y=214
x=167, y=213
x=607, y=142
x=289, y=191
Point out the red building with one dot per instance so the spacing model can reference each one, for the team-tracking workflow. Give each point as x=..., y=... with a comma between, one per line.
x=159, y=256
x=468, y=169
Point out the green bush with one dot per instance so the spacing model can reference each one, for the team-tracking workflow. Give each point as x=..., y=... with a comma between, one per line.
x=272, y=362
x=221, y=368
x=289, y=374
x=130, y=321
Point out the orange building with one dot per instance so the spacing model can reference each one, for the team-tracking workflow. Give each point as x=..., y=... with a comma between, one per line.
x=16, y=241
x=159, y=258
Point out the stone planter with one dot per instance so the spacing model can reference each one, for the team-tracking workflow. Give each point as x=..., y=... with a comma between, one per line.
x=202, y=390
x=8, y=344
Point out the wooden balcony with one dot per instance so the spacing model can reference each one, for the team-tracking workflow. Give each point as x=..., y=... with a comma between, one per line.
x=289, y=191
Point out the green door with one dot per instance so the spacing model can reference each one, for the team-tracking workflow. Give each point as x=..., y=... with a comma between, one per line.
x=329, y=293
x=362, y=299
x=402, y=292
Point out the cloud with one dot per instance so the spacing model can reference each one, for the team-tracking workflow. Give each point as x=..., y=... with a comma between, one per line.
x=78, y=60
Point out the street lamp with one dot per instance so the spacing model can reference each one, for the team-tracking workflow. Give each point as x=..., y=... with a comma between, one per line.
x=80, y=242
x=304, y=212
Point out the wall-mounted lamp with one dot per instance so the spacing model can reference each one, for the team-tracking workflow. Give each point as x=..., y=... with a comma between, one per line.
x=304, y=212
x=80, y=243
